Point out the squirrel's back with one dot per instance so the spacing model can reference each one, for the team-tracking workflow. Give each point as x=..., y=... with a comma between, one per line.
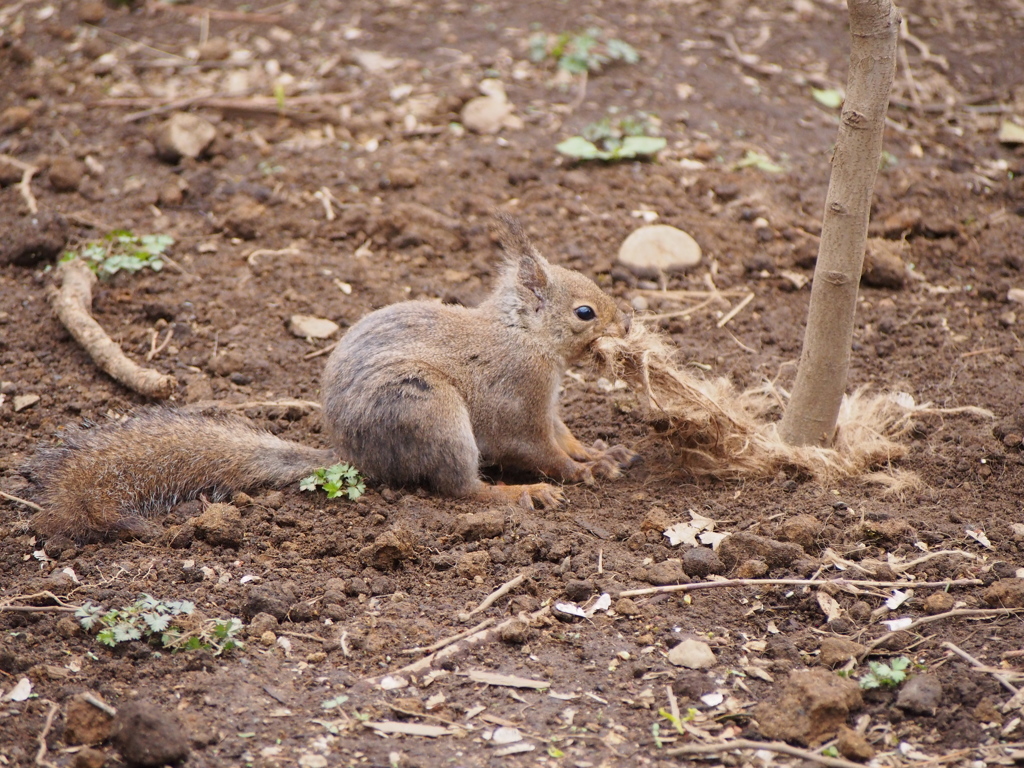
x=111, y=478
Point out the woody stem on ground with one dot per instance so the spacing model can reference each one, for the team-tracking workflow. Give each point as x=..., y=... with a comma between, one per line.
x=813, y=410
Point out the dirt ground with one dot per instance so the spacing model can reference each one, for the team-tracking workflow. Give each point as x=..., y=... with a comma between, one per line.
x=341, y=179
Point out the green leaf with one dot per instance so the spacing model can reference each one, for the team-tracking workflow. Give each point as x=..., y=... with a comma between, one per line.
x=309, y=483
x=633, y=146
x=157, y=622
x=337, y=701
x=761, y=162
x=829, y=97
x=106, y=636
x=623, y=51
x=580, y=148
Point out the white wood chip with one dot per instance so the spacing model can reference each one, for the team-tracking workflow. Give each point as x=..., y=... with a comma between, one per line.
x=495, y=678
x=408, y=729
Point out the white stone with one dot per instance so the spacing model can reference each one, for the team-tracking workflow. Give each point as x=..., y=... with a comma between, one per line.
x=692, y=654
x=657, y=249
x=21, y=402
x=184, y=135
x=309, y=327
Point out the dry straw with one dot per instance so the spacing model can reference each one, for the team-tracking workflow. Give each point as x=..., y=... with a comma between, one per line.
x=721, y=432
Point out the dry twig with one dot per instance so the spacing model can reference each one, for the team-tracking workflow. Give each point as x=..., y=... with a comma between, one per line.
x=448, y=640
x=772, y=746
x=23, y=502
x=504, y=589
x=24, y=186
x=979, y=612
x=1001, y=679
x=41, y=752
x=72, y=303
x=797, y=583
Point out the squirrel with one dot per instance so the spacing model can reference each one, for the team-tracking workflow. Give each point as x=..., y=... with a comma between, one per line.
x=418, y=393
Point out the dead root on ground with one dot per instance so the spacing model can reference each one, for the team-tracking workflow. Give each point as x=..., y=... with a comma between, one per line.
x=721, y=432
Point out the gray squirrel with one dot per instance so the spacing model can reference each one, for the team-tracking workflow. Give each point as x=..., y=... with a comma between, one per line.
x=418, y=393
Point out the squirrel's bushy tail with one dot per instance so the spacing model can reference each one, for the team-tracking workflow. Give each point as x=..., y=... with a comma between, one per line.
x=111, y=478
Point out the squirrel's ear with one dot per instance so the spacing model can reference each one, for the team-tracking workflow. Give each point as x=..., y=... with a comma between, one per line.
x=529, y=266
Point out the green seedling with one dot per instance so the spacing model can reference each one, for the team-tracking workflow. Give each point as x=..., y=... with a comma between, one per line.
x=336, y=480
x=884, y=675
x=122, y=251
x=580, y=52
x=619, y=139
x=170, y=624
x=761, y=162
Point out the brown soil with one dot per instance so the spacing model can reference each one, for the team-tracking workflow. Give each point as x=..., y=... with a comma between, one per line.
x=411, y=201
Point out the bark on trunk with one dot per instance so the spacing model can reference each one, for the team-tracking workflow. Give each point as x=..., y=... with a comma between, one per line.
x=813, y=409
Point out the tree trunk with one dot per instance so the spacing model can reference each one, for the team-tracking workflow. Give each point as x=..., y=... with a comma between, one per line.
x=813, y=409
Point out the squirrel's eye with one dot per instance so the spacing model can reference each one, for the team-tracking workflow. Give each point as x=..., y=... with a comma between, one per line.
x=585, y=313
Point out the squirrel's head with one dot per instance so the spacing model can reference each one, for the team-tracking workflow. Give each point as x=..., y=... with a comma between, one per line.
x=560, y=307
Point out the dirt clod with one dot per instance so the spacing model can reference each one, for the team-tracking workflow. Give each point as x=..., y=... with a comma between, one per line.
x=148, y=736
x=85, y=723
x=853, y=745
x=666, y=572
x=921, y=695
x=801, y=529
x=835, y=651
x=479, y=525
x=1006, y=593
x=938, y=602
x=809, y=708
x=702, y=561
x=743, y=546
x=274, y=599
x=183, y=135
x=221, y=525
x=30, y=241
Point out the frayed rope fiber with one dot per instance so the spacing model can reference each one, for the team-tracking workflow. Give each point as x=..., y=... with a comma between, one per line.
x=719, y=431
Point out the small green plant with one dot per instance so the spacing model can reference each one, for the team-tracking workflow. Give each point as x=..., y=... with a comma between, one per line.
x=170, y=624
x=336, y=480
x=884, y=675
x=579, y=52
x=122, y=251
x=615, y=139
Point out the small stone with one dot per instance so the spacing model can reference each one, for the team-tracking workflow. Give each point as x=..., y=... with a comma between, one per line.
x=692, y=654
x=260, y=623
x=309, y=327
x=853, y=745
x=516, y=632
x=244, y=218
x=21, y=402
x=275, y=599
x=183, y=135
x=92, y=11
x=1006, y=593
x=491, y=112
x=15, y=118
x=104, y=64
x=1011, y=133
x=801, y=529
x=148, y=736
x=904, y=220
x=34, y=239
x=702, y=561
x=836, y=651
x=215, y=49
x=66, y=174
x=479, y=525
x=667, y=572
x=89, y=758
x=656, y=519
x=220, y=525
x=883, y=267
x=1016, y=295
x=811, y=707
x=84, y=723
x=473, y=564
x=754, y=568
x=626, y=606
x=704, y=150
x=268, y=639
x=658, y=249
x=402, y=178
x=938, y=602
x=579, y=590
x=921, y=695
x=389, y=549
